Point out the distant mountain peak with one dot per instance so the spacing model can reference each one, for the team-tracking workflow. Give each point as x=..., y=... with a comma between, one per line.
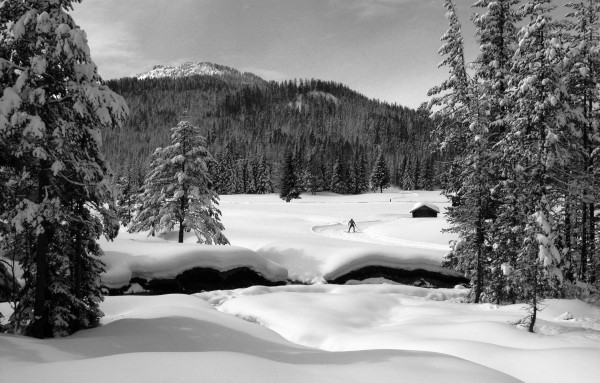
x=197, y=68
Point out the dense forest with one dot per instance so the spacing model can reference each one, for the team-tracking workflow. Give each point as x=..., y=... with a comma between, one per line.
x=252, y=125
x=524, y=121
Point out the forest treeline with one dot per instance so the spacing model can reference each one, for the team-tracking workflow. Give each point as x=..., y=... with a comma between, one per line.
x=251, y=126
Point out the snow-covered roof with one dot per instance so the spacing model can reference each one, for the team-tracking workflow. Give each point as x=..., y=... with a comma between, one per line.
x=426, y=204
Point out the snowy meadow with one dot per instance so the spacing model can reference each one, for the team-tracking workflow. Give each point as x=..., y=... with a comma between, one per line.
x=308, y=330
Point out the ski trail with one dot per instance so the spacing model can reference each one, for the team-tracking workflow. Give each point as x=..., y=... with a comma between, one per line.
x=340, y=231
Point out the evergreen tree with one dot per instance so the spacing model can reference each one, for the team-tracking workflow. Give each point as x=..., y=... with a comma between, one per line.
x=408, y=179
x=536, y=146
x=228, y=172
x=263, y=183
x=472, y=118
x=52, y=111
x=339, y=178
x=128, y=190
x=380, y=177
x=178, y=191
x=311, y=177
x=362, y=182
x=417, y=174
x=583, y=35
x=428, y=174
x=289, y=187
x=359, y=183
x=215, y=172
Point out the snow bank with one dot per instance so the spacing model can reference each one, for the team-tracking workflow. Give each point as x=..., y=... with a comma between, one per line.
x=133, y=256
x=183, y=339
x=366, y=318
x=218, y=297
x=393, y=258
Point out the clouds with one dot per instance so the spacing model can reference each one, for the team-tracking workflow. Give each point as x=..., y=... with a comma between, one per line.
x=374, y=9
x=112, y=48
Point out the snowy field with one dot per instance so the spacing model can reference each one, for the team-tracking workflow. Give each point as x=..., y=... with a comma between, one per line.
x=358, y=332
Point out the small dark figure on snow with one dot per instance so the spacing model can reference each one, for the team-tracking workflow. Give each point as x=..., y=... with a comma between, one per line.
x=352, y=225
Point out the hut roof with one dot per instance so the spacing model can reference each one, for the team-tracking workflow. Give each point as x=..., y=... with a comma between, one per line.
x=425, y=204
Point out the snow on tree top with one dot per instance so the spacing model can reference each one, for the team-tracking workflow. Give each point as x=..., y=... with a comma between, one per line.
x=194, y=68
x=427, y=204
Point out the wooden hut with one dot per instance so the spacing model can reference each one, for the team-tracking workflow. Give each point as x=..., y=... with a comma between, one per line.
x=425, y=210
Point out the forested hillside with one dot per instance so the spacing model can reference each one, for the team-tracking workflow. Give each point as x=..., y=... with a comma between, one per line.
x=251, y=126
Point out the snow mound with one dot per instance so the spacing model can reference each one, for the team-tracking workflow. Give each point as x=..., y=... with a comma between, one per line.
x=154, y=259
x=181, y=338
x=396, y=259
x=566, y=316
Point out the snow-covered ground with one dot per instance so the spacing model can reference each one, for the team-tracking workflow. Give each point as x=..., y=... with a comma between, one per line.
x=379, y=332
x=310, y=236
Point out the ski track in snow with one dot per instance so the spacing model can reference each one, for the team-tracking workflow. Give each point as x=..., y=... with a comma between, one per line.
x=363, y=234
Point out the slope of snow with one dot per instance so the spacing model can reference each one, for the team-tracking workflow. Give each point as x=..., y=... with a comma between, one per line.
x=181, y=338
x=351, y=318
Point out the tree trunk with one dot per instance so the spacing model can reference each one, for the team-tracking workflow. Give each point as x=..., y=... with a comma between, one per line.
x=584, y=242
x=534, y=300
x=480, y=237
x=568, y=230
x=479, y=284
x=181, y=229
x=40, y=320
x=592, y=242
x=77, y=265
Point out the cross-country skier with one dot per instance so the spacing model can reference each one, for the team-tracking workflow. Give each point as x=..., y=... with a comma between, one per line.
x=352, y=225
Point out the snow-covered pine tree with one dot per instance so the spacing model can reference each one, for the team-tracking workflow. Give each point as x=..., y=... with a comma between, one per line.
x=408, y=181
x=496, y=31
x=359, y=182
x=311, y=178
x=583, y=56
x=362, y=181
x=289, y=187
x=339, y=177
x=52, y=109
x=242, y=177
x=178, y=191
x=264, y=184
x=536, y=146
x=428, y=174
x=128, y=190
x=380, y=177
x=462, y=129
x=253, y=175
x=215, y=171
x=228, y=175
x=417, y=174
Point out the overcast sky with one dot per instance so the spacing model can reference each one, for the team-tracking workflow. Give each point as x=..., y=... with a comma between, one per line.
x=385, y=49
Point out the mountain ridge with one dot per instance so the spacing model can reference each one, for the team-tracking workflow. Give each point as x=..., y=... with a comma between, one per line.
x=203, y=68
